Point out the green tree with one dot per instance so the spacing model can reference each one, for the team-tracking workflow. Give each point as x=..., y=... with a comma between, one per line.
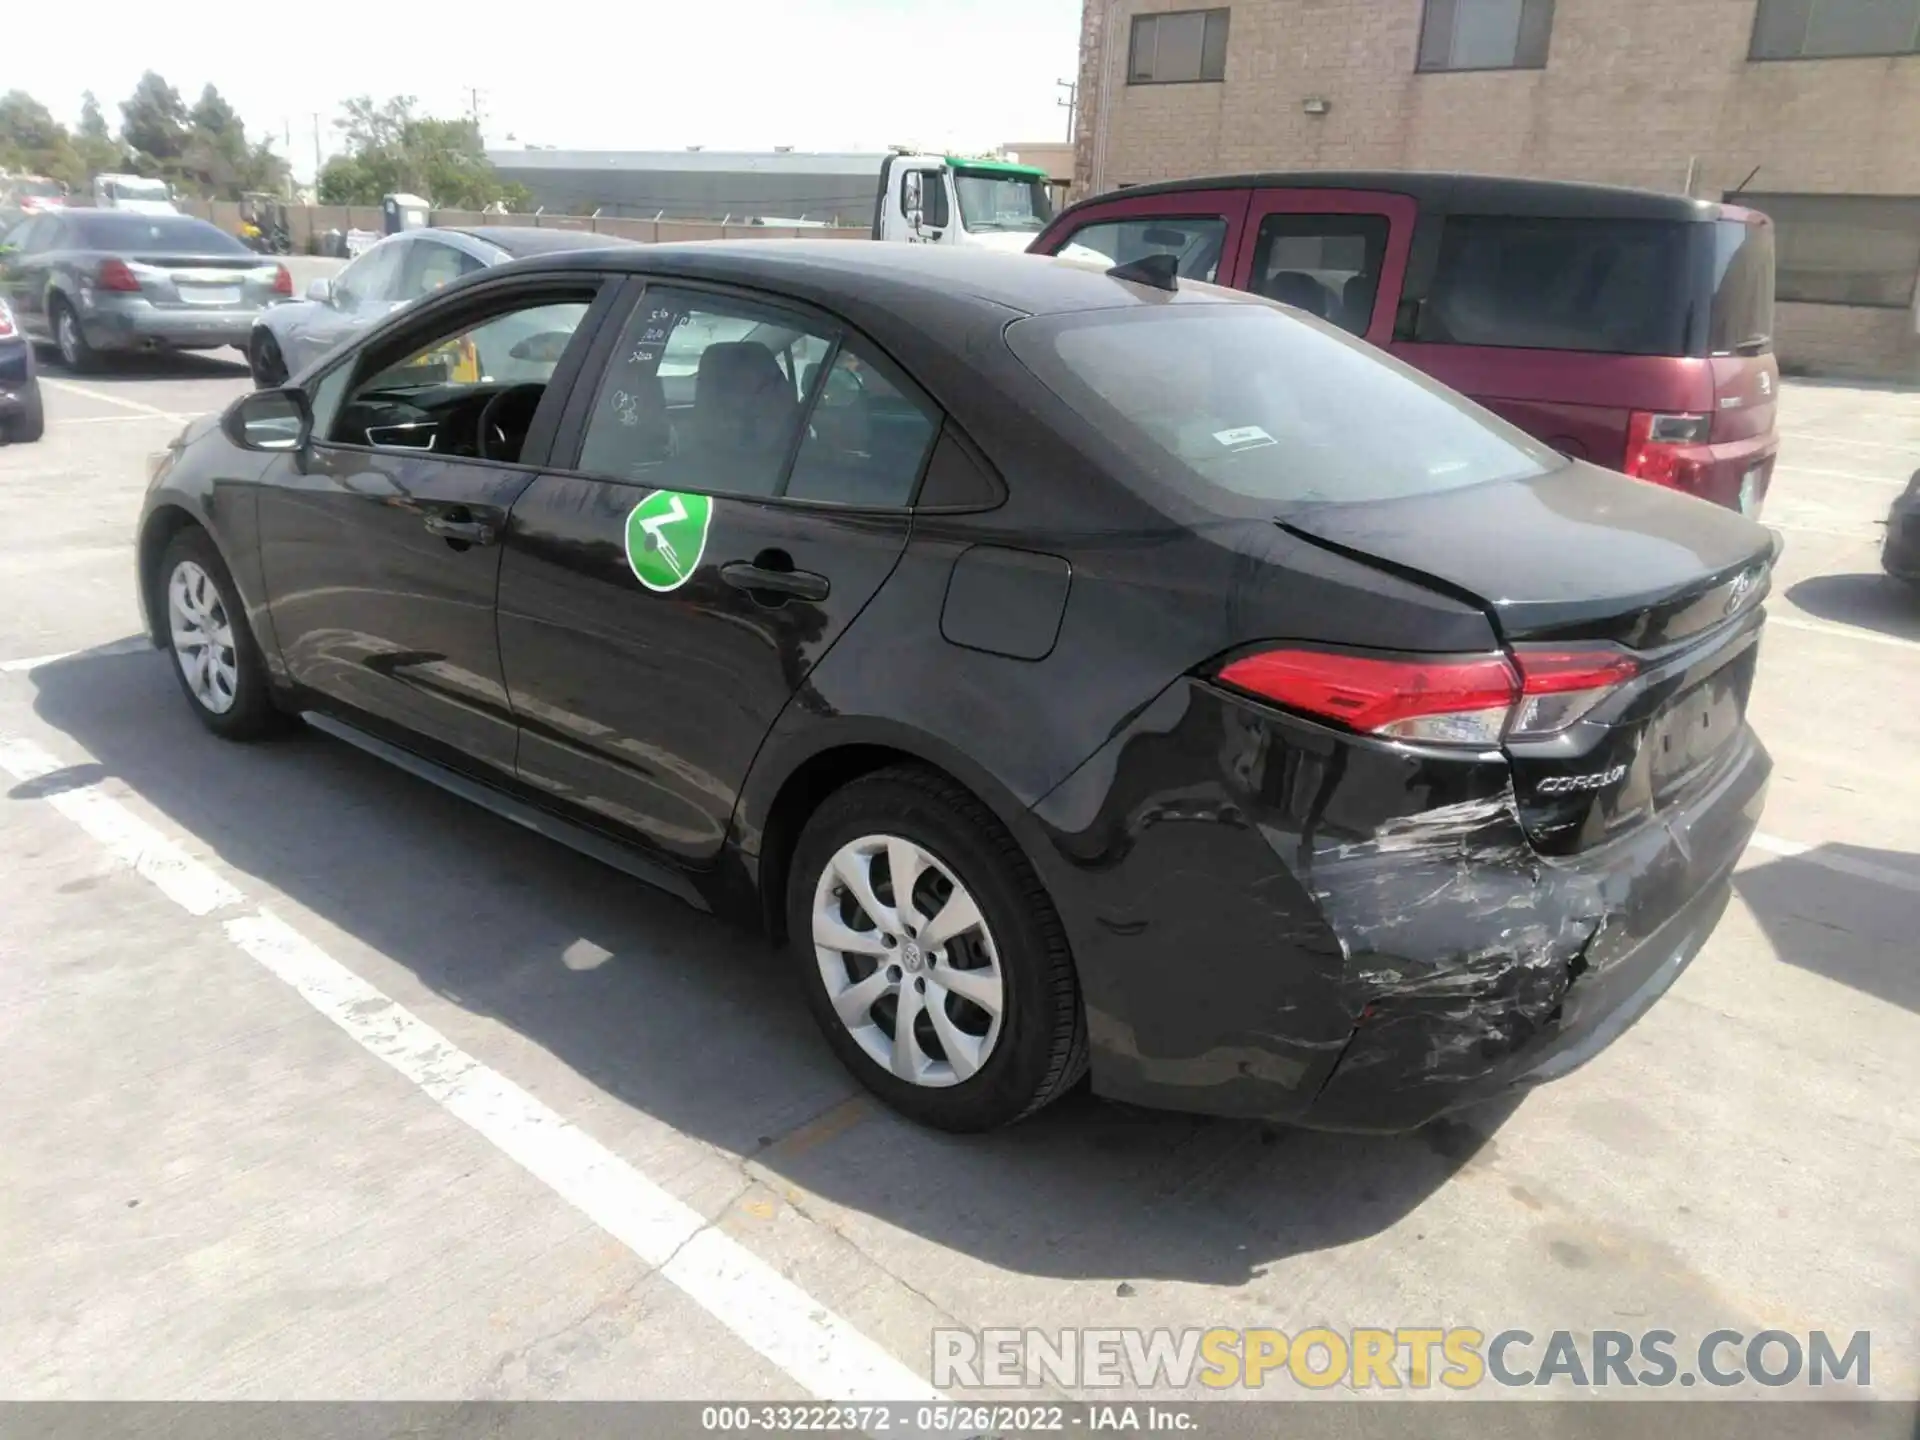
x=97, y=148
x=154, y=123
x=33, y=141
x=391, y=148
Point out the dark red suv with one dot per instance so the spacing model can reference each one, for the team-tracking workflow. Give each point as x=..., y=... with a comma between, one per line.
x=1624, y=327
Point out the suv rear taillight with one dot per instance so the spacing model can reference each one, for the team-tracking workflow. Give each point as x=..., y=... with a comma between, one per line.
x=7, y=328
x=282, y=281
x=1668, y=450
x=1474, y=700
x=116, y=275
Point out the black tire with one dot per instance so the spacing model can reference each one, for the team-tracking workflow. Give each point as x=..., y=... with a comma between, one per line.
x=28, y=426
x=252, y=714
x=78, y=356
x=264, y=359
x=1042, y=1047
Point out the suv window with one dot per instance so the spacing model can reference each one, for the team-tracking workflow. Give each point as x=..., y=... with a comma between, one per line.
x=1612, y=287
x=1741, y=319
x=1248, y=411
x=1196, y=243
x=1327, y=265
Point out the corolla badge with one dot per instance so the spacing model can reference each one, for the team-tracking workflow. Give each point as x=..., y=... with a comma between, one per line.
x=1581, y=784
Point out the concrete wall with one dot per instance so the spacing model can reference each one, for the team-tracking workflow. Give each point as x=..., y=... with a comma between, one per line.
x=1635, y=92
x=308, y=222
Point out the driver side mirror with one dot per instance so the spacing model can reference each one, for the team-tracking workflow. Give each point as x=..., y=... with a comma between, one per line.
x=320, y=291
x=271, y=420
x=912, y=198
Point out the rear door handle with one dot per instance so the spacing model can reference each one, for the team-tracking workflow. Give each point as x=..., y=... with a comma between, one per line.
x=803, y=584
x=461, y=528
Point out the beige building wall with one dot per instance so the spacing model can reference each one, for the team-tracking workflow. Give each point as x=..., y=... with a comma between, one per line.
x=1635, y=92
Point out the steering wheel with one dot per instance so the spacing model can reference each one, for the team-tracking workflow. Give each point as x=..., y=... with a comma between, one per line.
x=505, y=419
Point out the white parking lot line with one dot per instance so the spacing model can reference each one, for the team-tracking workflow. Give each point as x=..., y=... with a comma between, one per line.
x=1841, y=864
x=1842, y=632
x=1865, y=479
x=776, y=1318
x=105, y=397
x=1913, y=450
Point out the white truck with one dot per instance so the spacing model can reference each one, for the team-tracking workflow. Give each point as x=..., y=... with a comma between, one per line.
x=135, y=193
x=954, y=200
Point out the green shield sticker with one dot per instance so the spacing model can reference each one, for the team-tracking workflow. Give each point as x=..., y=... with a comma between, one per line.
x=666, y=536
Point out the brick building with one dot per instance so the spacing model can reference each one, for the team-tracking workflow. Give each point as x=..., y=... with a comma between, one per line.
x=1812, y=105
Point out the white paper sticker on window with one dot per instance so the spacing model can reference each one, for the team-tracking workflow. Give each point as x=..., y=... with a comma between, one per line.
x=1246, y=437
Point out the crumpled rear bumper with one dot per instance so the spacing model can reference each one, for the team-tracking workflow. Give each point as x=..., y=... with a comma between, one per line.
x=1276, y=919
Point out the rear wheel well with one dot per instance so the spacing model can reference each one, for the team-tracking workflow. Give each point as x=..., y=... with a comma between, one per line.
x=803, y=792
x=161, y=527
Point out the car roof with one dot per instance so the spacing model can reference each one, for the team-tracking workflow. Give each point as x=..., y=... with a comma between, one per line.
x=868, y=274
x=1449, y=191
x=524, y=240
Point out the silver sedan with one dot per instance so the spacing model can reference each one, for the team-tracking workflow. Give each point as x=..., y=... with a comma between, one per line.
x=397, y=271
x=94, y=282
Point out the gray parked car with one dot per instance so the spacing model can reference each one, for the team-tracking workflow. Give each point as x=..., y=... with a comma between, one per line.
x=399, y=269
x=98, y=281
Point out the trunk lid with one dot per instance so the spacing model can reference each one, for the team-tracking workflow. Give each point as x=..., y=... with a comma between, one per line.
x=1576, y=553
x=205, y=282
x=1583, y=558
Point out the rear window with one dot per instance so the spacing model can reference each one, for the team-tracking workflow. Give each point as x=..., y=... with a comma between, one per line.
x=180, y=234
x=1741, y=319
x=1251, y=410
x=1610, y=287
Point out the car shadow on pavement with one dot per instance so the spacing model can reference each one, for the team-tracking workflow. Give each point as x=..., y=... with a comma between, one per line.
x=1845, y=912
x=1871, y=602
x=144, y=368
x=702, y=1027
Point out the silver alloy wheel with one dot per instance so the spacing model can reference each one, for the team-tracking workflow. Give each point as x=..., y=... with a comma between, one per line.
x=907, y=960
x=202, y=637
x=68, y=338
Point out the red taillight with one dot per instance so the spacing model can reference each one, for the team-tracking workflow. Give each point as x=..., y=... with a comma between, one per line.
x=1454, y=701
x=1666, y=449
x=1465, y=700
x=1558, y=686
x=282, y=281
x=7, y=328
x=115, y=275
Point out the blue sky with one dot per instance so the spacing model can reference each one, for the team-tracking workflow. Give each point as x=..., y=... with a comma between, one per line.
x=726, y=74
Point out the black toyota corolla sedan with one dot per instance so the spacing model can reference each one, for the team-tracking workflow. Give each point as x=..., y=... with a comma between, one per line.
x=1074, y=669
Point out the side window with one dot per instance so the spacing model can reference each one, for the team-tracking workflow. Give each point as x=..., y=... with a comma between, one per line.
x=867, y=436
x=1326, y=265
x=1614, y=287
x=430, y=265
x=371, y=279
x=1196, y=243
x=434, y=398
x=703, y=392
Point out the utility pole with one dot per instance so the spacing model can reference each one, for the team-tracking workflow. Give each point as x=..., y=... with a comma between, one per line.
x=474, y=112
x=1068, y=102
x=316, y=152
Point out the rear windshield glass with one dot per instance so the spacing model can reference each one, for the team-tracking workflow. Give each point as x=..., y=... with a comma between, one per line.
x=1611, y=287
x=1251, y=410
x=175, y=234
x=1742, y=314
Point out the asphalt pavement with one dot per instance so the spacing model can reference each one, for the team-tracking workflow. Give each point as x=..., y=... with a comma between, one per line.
x=321, y=1083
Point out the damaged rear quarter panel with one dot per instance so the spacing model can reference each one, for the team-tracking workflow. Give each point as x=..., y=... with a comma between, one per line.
x=1255, y=884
